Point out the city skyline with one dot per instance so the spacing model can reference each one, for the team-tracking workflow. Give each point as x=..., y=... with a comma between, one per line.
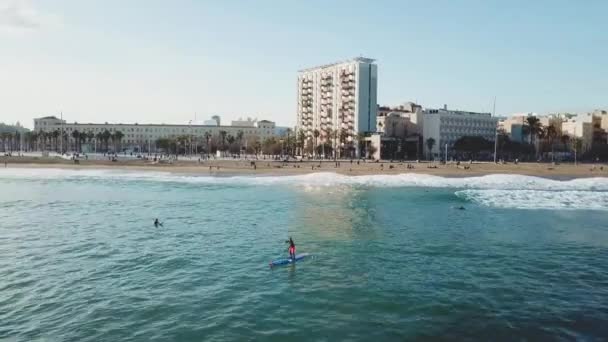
x=152, y=62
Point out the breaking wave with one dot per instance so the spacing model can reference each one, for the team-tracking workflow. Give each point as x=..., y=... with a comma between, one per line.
x=499, y=190
x=497, y=181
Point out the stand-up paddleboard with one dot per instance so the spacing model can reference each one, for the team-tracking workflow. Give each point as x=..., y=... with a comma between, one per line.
x=288, y=261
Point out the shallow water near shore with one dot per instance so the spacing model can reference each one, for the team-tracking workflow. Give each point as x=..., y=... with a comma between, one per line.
x=393, y=257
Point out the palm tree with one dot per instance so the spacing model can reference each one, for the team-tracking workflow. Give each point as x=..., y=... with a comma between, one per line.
x=361, y=143
x=55, y=134
x=417, y=136
x=117, y=137
x=534, y=129
x=430, y=142
x=565, y=138
x=42, y=136
x=105, y=137
x=551, y=134
x=239, y=138
x=577, y=143
x=27, y=137
x=4, y=136
x=342, y=138
x=64, y=141
x=300, y=141
x=223, y=136
x=315, y=134
x=207, y=138
x=288, y=132
x=230, y=139
x=330, y=135
x=90, y=135
x=98, y=137
x=76, y=137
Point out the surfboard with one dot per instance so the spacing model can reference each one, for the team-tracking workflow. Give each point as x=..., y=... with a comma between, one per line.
x=287, y=261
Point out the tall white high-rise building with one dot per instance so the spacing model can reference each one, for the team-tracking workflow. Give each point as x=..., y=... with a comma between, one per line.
x=339, y=97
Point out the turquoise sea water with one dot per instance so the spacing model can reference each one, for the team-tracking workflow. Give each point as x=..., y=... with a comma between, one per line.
x=393, y=257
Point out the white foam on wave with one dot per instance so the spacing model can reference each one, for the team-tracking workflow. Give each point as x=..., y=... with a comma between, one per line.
x=322, y=179
x=538, y=199
x=503, y=191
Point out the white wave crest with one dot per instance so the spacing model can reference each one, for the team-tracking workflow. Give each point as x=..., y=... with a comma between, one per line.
x=538, y=199
x=322, y=179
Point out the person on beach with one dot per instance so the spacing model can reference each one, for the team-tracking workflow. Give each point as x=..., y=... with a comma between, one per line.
x=292, y=249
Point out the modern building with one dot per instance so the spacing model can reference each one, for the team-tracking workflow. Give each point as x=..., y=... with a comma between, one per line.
x=555, y=120
x=579, y=128
x=408, y=115
x=445, y=127
x=513, y=127
x=337, y=97
x=143, y=137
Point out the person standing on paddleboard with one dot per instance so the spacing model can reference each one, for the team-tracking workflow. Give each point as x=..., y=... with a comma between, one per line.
x=292, y=248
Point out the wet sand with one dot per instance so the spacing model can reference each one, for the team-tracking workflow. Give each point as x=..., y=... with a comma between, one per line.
x=268, y=167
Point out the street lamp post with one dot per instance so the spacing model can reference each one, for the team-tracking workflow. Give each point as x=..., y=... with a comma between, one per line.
x=495, y=144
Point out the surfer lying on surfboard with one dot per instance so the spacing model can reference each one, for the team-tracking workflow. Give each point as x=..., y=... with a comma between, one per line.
x=292, y=248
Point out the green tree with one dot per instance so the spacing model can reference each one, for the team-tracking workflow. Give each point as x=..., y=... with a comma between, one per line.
x=231, y=146
x=288, y=132
x=551, y=134
x=473, y=145
x=99, y=138
x=223, y=137
x=105, y=136
x=239, y=138
x=55, y=134
x=361, y=144
x=117, y=137
x=533, y=129
x=76, y=138
x=207, y=136
x=430, y=143
x=565, y=138
x=315, y=135
x=301, y=139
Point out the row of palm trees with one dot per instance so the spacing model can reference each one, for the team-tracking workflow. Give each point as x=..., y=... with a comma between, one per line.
x=539, y=135
x=190, y=144
x=56, y=141
x=336, y=143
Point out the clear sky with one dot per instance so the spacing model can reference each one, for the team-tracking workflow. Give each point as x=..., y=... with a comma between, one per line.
x=162, y=61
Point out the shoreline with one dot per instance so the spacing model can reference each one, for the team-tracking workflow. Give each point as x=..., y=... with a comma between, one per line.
x=277, y=168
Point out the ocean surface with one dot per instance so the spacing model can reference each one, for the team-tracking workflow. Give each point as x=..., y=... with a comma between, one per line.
x=394, y=257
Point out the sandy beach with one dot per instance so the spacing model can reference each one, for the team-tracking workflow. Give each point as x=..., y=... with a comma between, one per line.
x=268, y=167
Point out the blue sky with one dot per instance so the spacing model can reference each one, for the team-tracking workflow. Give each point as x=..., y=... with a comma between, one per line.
x=163, y=61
